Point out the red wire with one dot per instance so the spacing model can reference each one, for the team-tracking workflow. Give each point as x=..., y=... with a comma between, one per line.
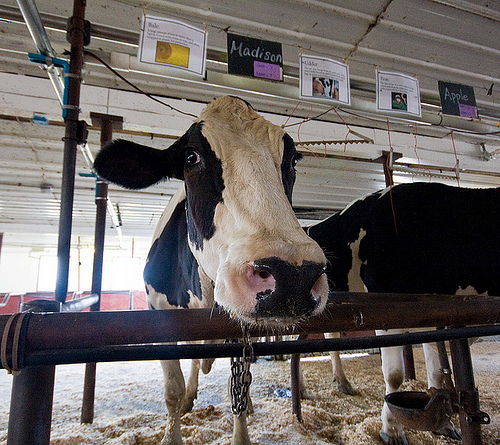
x=348, y=128
x=293, y=112
x=298, y=136
x=456, y=159
x=391, y=181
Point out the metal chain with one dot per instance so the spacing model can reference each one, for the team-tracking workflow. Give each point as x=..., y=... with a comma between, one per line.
x=241, y=377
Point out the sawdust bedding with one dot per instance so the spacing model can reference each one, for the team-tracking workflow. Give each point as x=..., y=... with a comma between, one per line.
x=129, y=406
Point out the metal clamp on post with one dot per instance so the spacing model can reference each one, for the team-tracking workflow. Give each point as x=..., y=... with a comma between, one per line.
x=14, y=331
x=241, y=377
x=465, y=399
x=87, y=30
x=478, y=417
x=59, y=63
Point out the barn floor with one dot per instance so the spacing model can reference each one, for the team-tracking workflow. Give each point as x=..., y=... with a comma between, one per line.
x=129, y=407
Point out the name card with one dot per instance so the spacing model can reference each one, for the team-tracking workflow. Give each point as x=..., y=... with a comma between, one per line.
x=457, y=99
x=254, y=57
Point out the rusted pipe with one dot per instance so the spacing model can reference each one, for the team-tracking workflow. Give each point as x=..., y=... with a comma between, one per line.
x=23, y=428
x=353, y=312
x=295, y=381
x=468, y=396
x=107, y=123
x=71, y=140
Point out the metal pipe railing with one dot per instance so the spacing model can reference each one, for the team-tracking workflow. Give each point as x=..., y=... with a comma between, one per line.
x=196, y=351
x=101, y=335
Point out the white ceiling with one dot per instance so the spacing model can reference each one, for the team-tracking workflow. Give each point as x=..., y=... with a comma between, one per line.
x=451, y=40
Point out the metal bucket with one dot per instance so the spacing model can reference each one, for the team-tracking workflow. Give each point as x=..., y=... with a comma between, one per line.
x=425, y=411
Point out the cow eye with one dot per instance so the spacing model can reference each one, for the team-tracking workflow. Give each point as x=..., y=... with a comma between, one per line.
x=192, y=158
x=296, y=159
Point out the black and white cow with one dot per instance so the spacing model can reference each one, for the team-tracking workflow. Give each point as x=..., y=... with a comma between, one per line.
x=413, y=238
x=229, y=235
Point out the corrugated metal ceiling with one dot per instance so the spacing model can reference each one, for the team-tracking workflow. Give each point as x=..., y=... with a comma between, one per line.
x=451, y=40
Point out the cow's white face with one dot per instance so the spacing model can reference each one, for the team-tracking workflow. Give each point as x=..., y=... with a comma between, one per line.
x=239, y=173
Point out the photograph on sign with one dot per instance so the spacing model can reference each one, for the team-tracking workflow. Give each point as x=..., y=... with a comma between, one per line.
x=324, y=79
x=173, y=43
x=254, y=57
x=457, y=99
x=398, y=92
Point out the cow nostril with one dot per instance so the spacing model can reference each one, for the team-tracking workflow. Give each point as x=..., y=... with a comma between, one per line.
x=259, y=279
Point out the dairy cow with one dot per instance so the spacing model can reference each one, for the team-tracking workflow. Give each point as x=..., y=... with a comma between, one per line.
x=413, y=238
x=229, y=236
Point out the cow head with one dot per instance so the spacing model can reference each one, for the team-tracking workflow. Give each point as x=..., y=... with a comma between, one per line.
x=239, y=171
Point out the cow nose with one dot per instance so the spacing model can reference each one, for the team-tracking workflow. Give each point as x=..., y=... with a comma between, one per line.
x=284, y=290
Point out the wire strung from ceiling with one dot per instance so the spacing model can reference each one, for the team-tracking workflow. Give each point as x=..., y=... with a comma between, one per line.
x=457, y=161
x=307, y=119
x=140, y=90
x=286, y=125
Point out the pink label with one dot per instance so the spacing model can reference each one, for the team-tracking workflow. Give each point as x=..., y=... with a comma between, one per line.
x=266, y=70
x=467, y=111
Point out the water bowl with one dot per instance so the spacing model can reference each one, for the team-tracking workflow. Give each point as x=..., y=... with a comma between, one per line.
x=425, y=411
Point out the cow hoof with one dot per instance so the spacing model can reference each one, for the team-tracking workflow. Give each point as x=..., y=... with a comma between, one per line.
x=399, y=439
x=187, y=406
x=169, y=439
x=449, y=431
x=250, y=406
x=346, y=388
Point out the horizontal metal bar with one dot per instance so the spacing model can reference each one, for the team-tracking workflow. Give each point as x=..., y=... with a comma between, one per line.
x=169, y=352
x=345, y=312
x=95, y=331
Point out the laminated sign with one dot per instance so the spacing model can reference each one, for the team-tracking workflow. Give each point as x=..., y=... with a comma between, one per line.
x=457, y=99
x=398, y=93
x=169, y=42
x=254, y=57
x=324, y=79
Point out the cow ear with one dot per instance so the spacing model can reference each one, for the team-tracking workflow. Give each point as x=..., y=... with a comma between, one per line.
x=134, y=166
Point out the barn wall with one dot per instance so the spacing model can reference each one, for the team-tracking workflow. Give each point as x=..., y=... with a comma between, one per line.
x=31, y=269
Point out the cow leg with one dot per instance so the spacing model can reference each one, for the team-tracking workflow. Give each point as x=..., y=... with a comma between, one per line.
x=435, y=379
x=392, y=367
x=240, y=430
x=175, y=391
x=343, y=385
x=191, y=387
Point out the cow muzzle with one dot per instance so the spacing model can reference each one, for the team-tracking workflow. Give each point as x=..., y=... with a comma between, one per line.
x=286, y=291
